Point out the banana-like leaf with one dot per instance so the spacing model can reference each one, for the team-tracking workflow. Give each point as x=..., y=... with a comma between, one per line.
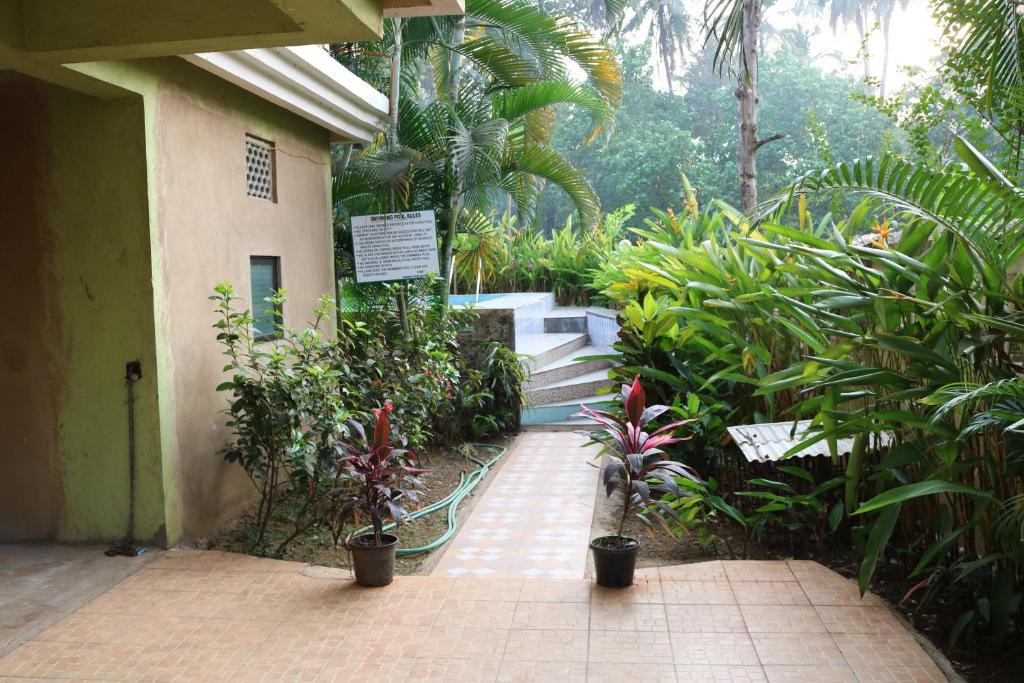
x=929, y=487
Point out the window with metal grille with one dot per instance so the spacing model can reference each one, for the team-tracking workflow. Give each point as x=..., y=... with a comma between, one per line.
x=260, y=168
x=264, y=280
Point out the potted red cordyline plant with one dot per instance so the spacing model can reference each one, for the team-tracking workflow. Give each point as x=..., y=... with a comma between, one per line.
x=634, y=465
x=383, y=476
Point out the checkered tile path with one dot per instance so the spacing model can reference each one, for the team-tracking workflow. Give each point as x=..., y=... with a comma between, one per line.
x=519, y=528
x=211, y=616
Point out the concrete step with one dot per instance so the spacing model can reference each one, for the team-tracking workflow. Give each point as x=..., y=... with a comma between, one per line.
x=568, y=366
x=566, y=319
x=542, y=349
x=572, y=388
x=561, y=412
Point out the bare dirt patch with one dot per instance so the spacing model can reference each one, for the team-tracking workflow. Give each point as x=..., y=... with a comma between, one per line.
x=317, y=547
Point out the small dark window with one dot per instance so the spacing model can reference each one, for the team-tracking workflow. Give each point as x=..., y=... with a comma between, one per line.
x=260, y=168
x=265, y=279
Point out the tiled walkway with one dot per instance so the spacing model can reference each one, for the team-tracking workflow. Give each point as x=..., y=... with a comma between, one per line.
x=534, y=519
x=210, y=616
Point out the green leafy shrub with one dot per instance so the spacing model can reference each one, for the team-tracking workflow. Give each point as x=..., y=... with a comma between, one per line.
x=292, y=398
x=914, y=331
x=285, y=412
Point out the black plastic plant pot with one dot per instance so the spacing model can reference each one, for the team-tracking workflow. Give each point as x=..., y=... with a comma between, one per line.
x=615, y=560
x=374, y=564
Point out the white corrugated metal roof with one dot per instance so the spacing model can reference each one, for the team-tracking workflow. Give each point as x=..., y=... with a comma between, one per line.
x=770, y=441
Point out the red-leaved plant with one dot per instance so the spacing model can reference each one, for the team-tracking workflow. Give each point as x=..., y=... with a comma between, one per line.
x=383, y=476
x=635, y=459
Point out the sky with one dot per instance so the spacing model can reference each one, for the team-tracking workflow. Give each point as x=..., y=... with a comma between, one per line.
x=914, y=37
x=913, y=42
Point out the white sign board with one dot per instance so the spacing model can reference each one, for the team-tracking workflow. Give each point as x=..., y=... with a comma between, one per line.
x=394, y=246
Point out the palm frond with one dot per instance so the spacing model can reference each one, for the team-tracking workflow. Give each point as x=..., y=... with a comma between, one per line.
x=986, y=218
x=527, y=99
x=545, y=162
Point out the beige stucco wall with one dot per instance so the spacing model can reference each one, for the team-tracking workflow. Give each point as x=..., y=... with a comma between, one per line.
x=208, y=227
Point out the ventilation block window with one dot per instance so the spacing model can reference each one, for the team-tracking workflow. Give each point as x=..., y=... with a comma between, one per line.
x=265, y=279
x=260, y=168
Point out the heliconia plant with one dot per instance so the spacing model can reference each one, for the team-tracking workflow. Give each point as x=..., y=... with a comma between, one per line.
x=636, y=462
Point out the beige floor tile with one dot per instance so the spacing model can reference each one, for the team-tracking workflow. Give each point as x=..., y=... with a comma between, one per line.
x=698, y=592
x=652, y=672
x=450, y=670
x=305, y=636
x=462, y=642
x=782, y=619
x=230, y=634
x=882, y=650
x=897, y=673
x=283, y=666
x=705, y=619
x=797, y=649
x=513, y=670
x=732, y=649
x=629, y=647
x=849, y=619
x=49, y=659
x=498, y=589
x=423, y=587
x=627, y=617
x=838, y=673
x=476, y=613
x=643, y=591
x=401, y=611
x=366, y=670
x=714, y=673
x=188, y=664
x=551, y=615
x=547, y=645
x=757, y=570
x=769, y=593
x=832, y=589
x=555, y=590
x=697, y=571
x=122, y=628
x=155, y=603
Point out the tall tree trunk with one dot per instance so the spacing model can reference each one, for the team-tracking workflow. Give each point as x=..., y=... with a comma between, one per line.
x=396, y=82
x=393, y=95
x=454, y=65
x=862, y=30
x=746, y=93
x=886, y=20
x=455, y=62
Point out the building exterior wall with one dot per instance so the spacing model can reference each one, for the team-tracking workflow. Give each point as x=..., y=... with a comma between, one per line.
x=84, y=308
x=131, y=208
x=208, y=229
x=30, y=501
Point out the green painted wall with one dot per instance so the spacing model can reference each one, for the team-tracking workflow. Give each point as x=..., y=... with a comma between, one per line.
x=98, y=216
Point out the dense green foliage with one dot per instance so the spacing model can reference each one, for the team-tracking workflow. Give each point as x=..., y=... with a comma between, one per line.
x=292, y=399
x=658, y=135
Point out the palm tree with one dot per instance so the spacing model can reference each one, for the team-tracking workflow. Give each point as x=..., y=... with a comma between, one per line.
x=483, y=132
x=860, y=13
x=666, y=23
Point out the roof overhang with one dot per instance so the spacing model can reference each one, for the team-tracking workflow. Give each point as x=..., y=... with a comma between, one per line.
x=308, y=82
x=423, y=8
x=66, y=31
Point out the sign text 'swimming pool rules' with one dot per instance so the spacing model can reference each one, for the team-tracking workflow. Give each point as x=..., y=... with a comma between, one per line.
x=394, y=246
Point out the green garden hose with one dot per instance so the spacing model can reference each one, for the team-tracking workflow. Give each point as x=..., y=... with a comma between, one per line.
x=466, y=484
